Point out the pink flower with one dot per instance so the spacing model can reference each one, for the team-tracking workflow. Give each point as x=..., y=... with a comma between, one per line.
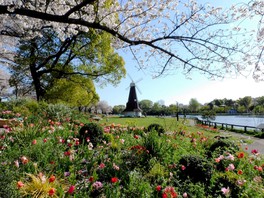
x=34, y=142
x=231, y=167
x=183, y=167
x=169, y=192
x=20, y=184
x=115, y=166
x=240, y=182
x=16, y=163
x=122, y=141
x=255, y=152
x=102, y=165
x=185, y=195
x=230, y=157
x=71, y=189
x=97, y=185
x=225, y=191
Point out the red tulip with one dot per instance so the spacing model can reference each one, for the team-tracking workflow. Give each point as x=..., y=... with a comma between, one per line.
x=71, y=189
x=52, y=191
x=52, y=178
x=114, y=179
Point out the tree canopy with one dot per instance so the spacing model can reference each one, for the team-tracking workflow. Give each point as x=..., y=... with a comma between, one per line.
x=174, y=34
x=61, y=70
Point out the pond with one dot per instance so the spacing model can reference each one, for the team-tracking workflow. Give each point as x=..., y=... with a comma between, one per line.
x=253, y=121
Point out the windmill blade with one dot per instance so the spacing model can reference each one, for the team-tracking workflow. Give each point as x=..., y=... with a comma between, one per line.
x=138, y=80
x=138, y=90
x=130, y=77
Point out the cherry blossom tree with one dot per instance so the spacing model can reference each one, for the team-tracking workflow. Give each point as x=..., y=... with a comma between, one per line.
x=4, y=86
x=162, y=35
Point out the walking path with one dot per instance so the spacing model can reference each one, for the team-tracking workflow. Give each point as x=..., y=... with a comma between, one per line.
x=257, y=143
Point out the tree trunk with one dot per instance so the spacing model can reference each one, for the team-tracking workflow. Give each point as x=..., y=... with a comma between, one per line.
x=35, y=77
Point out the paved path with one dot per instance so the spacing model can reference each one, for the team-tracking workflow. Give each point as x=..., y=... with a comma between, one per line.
x=257, y=143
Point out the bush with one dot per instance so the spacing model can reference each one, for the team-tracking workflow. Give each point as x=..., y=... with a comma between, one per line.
x=156, y=127
x=195, y=168
x=221, y=146
x=58, y=112
x=91, y=131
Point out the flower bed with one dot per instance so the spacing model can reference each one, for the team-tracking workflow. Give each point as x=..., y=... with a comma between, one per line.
x=9, y=122
x=47, y=159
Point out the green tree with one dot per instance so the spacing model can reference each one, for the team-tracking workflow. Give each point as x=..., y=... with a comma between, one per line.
x=260, y=101
x=47, y=62
x=76, y=91
x=146, y=105
x=194, y=105
x=118, y=109
x=156, y=109
x=246, y=102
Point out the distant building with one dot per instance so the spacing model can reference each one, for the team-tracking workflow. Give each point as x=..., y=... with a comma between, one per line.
x=232, y=111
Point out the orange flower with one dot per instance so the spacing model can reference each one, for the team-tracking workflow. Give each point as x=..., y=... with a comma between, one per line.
x=24, y=160
x=20, y=184
x=240, y=172
x=52, y=178
x=240, y=155
x=169, y=192
x=52, y=191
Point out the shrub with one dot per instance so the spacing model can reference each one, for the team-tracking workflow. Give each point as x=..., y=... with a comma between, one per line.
x=91, y=131
x=226, y=180
x=156, y=127
x=195, y=168
x=222, y=146
x=58, y=112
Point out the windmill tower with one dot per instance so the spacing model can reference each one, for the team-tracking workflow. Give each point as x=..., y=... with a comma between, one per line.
x=132, y=107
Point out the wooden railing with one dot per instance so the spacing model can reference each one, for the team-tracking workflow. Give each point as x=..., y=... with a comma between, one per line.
x=225, y=125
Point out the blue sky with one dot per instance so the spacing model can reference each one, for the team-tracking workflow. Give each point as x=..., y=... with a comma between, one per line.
x=177, y=88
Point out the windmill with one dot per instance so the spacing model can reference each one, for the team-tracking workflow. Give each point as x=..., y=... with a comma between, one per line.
x=132, y=107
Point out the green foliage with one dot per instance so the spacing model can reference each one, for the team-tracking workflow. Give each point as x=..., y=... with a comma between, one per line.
x=196, y=168
x=58, y=112
x=7, y=177
x=91, y=131
x=54, y=73
x=222, y=146
x=208, y=115
x=156, y=127
x=136, y=189
x=75, y=91
x=228, y=180
x=194, y=105
x=138, y=161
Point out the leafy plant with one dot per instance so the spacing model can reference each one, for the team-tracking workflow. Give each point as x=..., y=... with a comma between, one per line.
x=91, y=132
x=58, y=112
x=195, y=168
x=156, y=127
x=221, y=146
x=41, y=186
